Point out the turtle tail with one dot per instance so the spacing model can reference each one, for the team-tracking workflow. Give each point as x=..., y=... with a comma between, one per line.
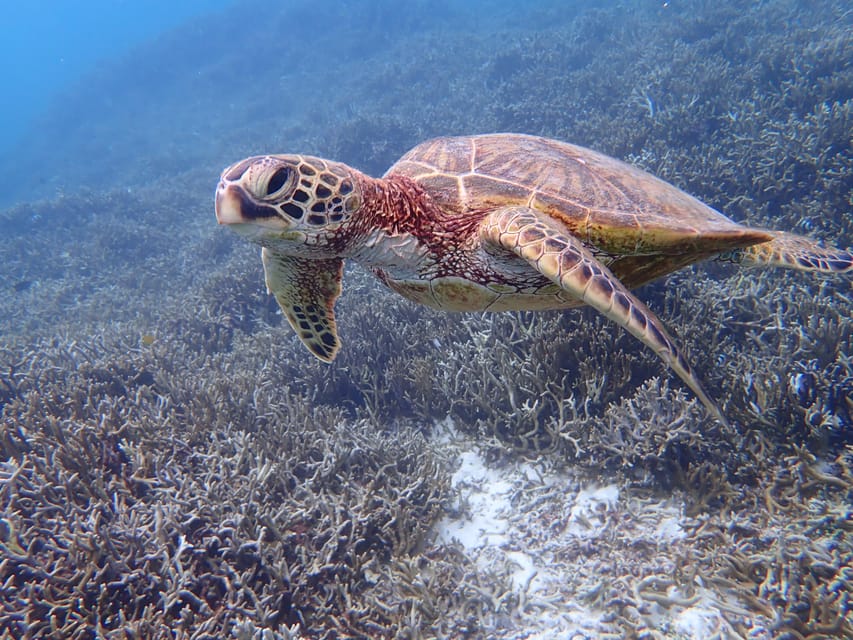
x=795, y=252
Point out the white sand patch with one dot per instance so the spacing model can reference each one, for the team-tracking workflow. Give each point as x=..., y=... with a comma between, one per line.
x=571, y=547
x=587, y=517
x=669, y=529
x=698, y=623
x=483, y=498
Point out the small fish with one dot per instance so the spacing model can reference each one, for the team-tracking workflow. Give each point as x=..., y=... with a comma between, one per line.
x=22, y=285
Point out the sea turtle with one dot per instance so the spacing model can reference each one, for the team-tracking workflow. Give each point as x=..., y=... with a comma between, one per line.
x=489, y=223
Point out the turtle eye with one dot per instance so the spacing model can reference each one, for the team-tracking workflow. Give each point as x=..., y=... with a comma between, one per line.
x=278, y=180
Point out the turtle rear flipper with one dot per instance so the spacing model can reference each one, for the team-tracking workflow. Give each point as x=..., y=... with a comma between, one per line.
x=306, y=291
x=565, y=260
x=795, y=252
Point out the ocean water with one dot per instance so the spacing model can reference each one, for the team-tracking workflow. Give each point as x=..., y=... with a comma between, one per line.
x=47, y=45
x=174, y=463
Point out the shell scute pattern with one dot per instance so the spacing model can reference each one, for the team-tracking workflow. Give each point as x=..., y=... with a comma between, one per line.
x=615, y=208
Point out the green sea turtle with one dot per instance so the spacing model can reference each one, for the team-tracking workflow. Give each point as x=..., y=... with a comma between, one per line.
x=489, y=223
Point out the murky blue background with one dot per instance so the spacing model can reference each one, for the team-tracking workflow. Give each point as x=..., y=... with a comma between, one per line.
x=48, y=43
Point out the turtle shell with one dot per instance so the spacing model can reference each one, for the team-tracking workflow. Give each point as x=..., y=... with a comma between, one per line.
x=639, y=225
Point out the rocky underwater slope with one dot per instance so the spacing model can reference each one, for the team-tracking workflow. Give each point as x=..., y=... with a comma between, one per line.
x=174, y=465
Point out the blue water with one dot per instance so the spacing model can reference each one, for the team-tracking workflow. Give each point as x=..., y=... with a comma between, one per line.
x=110, y=93
x=46, y=44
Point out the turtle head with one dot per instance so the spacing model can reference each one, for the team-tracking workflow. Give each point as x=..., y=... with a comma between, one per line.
x=288, y=202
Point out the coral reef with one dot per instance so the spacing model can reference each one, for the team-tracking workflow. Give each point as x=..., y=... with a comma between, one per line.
x=625, y=561
x=174, y=464
x=140, y=496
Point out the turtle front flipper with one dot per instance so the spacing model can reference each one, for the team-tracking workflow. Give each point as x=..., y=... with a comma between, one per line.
x=565, y=260
x=306, y=291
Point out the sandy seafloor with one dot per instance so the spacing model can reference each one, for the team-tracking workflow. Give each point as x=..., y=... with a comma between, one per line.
x=523, y=516
x=173, y=464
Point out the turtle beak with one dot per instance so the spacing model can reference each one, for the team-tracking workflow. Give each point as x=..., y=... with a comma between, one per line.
x=236, y=207
x=229, y=208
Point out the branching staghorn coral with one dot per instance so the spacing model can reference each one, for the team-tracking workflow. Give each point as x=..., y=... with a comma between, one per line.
x=563, y=385
x=128, y=507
